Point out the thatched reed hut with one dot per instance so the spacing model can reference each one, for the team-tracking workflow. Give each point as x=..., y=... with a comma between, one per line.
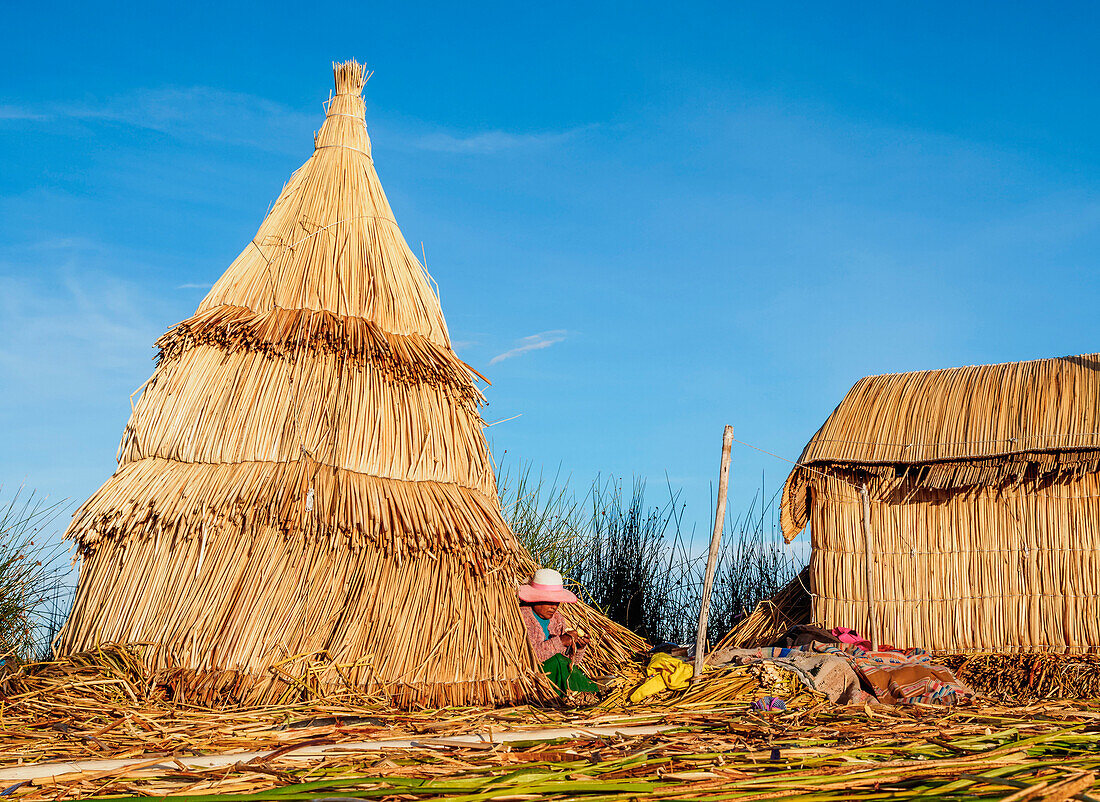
x=304, y=494
x=981, y=529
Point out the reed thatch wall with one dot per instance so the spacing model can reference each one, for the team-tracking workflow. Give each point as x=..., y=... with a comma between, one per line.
x=984, y=508
x=304, y=487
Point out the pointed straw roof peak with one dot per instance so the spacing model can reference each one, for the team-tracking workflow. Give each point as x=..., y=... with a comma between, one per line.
x=350, y=77
x=330, y=248
x=345, y=123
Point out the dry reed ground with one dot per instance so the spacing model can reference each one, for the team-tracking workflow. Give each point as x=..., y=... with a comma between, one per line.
x=720, y=749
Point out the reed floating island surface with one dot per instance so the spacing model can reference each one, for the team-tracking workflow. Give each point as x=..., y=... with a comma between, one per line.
x=120, y=737
x=304, y=498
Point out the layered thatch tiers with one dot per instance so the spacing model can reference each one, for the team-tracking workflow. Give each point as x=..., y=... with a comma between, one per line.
x=396, y=430
x=286, y=332
x=339, y=615
x=983, y=486
x=304, y=487
x=353, y=510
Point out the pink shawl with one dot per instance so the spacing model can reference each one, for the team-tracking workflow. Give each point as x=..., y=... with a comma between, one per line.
x=546, y=648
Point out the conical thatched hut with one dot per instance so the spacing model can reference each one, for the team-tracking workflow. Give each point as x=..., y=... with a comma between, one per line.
x=981, y=525
x=304, y=489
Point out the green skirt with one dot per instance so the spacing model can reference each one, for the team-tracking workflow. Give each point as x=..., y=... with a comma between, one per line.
x=565, y=676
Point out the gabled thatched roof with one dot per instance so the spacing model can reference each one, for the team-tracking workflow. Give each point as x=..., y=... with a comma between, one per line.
x=304, y=487
x=957, y=428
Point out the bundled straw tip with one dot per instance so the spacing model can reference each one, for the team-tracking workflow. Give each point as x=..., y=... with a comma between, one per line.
x=351, y=76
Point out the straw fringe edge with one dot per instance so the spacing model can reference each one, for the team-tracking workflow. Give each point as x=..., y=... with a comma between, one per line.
x=286, y=332
x=895, y=482
x=155, y=497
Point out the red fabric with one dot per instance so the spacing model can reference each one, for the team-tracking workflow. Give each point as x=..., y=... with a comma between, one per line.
x=846, y=635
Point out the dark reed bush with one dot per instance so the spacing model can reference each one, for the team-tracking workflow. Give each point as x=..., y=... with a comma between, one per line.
x=546, y=517
x=633, y=560
x=33, y=595
x=753, y=565
x=638, y=570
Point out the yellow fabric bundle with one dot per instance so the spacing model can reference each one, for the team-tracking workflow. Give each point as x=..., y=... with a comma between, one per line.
x=665, y=672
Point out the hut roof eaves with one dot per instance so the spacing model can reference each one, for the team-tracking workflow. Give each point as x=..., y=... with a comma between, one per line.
x=969, y=424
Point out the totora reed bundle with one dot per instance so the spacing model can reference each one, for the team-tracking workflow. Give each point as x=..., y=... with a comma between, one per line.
x=771, y=618
x=304, y=486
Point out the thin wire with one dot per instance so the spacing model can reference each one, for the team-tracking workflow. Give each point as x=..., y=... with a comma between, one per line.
x=797, y=464
x=326, y=103
x=267, y=268
x=346, y=147
x=358, y=118
x=487, y=425
x=338, y=222
x=258, y=248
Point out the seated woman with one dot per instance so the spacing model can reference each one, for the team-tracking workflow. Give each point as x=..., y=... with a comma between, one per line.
x=558, y=650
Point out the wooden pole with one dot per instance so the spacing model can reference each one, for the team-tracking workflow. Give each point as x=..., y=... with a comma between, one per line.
x=712, y=555
x=872, y=611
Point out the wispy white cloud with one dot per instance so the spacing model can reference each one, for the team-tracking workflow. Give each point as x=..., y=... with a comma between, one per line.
x=190, y=112
x=193, y=286
x=533, y=342
x=240, y=118
x=69, y=323
x=488, y=142
x=81, y=333
x=77, y=340
x=20, y=113
x=66, y=244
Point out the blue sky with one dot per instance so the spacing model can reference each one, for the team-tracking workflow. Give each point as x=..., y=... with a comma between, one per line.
x=646, y=220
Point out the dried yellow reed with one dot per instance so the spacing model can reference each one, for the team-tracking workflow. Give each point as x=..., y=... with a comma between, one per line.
x=985, y=508
x=771, y=617
x=304, y=488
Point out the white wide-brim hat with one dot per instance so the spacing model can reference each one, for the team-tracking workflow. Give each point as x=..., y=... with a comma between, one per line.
x=546, y=586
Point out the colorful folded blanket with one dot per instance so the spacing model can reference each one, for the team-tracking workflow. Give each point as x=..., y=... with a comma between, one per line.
x=908, y=677
x=848, y=674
